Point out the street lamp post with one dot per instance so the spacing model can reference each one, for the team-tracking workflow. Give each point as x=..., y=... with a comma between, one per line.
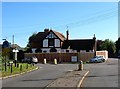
x=15, y=51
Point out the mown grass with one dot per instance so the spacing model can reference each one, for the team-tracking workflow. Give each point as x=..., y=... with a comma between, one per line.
x=16, y=70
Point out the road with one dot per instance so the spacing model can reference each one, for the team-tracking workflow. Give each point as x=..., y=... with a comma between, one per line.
x=41, y=77
x=102, y=74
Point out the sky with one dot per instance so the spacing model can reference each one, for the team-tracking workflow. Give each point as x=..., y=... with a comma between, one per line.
x=84, y=19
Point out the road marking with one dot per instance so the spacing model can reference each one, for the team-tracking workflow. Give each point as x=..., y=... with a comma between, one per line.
x=80, y=83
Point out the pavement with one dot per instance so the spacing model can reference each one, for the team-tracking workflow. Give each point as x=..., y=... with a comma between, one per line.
x=71, y=79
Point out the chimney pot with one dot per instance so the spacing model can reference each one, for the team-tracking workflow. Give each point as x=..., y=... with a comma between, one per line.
x=46, y=30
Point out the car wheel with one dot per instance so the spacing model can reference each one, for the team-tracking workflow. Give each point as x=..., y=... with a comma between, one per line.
x=103, y=60
x=95, y=61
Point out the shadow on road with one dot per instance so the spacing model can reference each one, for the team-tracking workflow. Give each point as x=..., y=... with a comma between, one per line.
x=102, y=76
x=37, y=80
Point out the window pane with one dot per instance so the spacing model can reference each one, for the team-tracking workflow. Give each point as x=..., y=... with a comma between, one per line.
x=51, y=42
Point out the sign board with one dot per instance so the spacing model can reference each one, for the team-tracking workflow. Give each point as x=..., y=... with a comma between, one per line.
x=74, y=58
x=15, y=50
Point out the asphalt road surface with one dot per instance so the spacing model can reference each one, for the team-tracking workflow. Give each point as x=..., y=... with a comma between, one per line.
x=102, y=74
x=41, y=77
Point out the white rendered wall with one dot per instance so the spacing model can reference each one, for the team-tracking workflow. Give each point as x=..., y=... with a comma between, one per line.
x=33, y=50
x=46, y=49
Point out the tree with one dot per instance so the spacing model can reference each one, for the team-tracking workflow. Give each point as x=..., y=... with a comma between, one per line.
x=118, y=46
x=6, y=52
x=28, y=48
x=109, y=46
x=99, y=43
x=30, y=38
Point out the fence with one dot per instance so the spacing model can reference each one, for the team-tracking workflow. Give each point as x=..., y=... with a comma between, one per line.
x=61, y=57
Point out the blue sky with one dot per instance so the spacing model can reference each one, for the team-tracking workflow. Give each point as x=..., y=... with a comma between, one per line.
x=84, y=19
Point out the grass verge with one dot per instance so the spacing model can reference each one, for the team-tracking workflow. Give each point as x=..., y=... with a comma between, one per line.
x=16, y=70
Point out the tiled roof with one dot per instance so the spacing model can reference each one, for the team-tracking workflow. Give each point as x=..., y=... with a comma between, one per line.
x=79, y=44
x=61, y=36
x=16, y=46
x=41, y=35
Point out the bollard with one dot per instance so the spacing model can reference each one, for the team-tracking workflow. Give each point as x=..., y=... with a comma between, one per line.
x=80, y=66
x=31, y=65
x=17, y=65
x=44, y=60
x=9, y=65
x=27, y=66
x=11, y=68
x=55, y=61
x=20, y=67
x=5, y=66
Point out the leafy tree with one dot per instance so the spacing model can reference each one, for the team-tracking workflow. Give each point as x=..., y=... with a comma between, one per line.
x=99, y=44
x=30, y=38
x=28, y=48
x=108, y=45
x=6, y=52
x=118, y=46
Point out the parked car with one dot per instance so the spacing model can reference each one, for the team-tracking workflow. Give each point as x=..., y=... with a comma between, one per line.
x=34, y=60
x=102, y=58
x=27, y=60
x=97, y=59
x=119, y=56
x=30, y=60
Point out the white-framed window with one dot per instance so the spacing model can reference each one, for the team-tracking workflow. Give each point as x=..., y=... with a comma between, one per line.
x=45, y=43
x=57, y=43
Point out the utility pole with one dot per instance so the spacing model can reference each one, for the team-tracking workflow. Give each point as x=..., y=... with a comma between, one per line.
x=15, y=51
x=13, y=40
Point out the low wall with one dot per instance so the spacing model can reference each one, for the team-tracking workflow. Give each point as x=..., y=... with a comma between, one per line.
x=86, y=56
x=61, y=57
x=102, y=53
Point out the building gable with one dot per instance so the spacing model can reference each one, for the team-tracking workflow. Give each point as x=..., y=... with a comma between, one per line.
x=51, y=40
x=54, y=34
x=51, y=35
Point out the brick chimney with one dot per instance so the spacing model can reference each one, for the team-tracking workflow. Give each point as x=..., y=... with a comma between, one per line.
x=95, y=44
x=46, y=30
x=67, y=35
